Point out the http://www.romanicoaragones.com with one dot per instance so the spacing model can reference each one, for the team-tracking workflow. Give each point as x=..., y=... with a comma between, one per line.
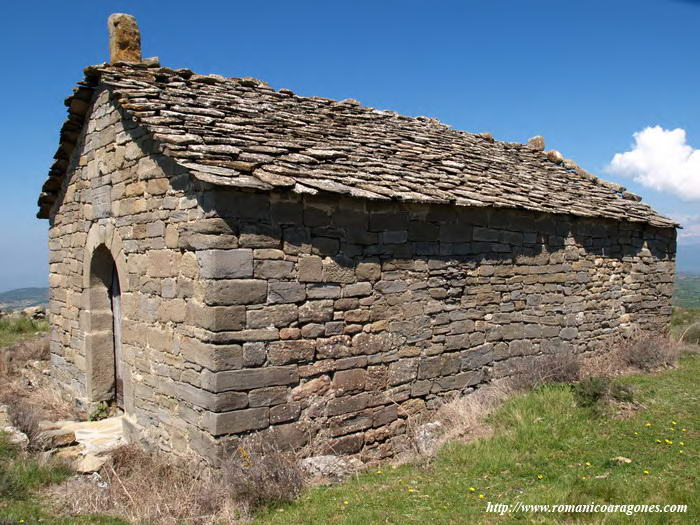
x=607, y=508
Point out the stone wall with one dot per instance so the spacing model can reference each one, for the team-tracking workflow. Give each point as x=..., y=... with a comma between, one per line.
x=308, y=316
x=338, y=317
x=117, y=196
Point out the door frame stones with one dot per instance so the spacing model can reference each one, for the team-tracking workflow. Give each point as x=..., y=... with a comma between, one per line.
x=103, y=250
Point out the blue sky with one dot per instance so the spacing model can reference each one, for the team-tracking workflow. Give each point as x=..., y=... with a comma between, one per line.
x=585, y=75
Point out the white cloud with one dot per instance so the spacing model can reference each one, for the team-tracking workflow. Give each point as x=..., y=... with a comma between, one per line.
x=661, y=159
x=690, y=234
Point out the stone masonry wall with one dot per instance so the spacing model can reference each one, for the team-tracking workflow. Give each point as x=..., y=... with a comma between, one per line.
x=308, y=316
x=117, y=194
x=335, y=317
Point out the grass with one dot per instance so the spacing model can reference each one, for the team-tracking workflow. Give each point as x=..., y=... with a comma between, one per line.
x=16, y=329
x=546, y=450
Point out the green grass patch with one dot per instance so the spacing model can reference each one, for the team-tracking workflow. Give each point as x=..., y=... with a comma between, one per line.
x=546, y=450
x=16, y=329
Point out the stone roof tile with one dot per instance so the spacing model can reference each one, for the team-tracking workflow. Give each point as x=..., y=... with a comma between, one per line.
x=242, y=133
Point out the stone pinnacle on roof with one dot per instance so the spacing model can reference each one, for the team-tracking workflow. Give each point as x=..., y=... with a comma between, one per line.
x=124, y=38
x=536, y=143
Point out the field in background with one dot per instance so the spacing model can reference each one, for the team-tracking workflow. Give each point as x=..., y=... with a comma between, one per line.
x=687, y=292
x=23, y=298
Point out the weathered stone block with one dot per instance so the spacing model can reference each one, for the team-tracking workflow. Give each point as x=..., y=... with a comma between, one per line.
x=346, y=404
x=284, y=413
x=235, y=291
x=285, y=352
x=310, y=269
x=316, y=311
x=286, y=292
x=211, y=356
x=272, y=269
x=249, y=379
x=349, y=381
x=236, y=421
x=265, y=397
x=225, y=264
x=216, y=318
x=368, y=271
x=338, y=270
x=163, y=263
x=402, y=371
x=322, y=291
x=357, y=290
x=278, y=316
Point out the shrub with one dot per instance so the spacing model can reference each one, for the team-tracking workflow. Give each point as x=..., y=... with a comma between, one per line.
x=260, y=475
x=558, y=367
x=155, y=488
x=691, y=335
x=649, y=351
x=25, y=418
x=594, y=390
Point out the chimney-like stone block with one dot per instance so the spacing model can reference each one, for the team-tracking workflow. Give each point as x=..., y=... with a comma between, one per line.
x=124, y=38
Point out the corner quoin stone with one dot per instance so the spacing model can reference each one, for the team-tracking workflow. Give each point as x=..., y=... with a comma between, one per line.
x=226, y=292
x=249, y=379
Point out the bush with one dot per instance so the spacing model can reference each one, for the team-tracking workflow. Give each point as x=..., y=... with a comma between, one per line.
x=649, y=351
x=259, y=475
x=156, y=488
x=25, y=418
x=691, y=335
x=594, y=390
x=559, y=367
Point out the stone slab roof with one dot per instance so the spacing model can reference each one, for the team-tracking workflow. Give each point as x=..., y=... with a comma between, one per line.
x=242, y=133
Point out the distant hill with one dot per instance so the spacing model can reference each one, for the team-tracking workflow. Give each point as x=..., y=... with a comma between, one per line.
x=23, y=298
x=687, y=292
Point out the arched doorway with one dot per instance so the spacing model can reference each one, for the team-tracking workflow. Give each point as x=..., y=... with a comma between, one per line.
x=105, y=379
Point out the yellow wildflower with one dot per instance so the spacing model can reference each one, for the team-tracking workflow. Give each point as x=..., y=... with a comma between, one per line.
x=481, y=496
x=673, y=423
x=346, y=502
x=681, y=443
x=646, y=472
x=472, y=489
x=540, y=476
x=588, y=463
x=647, y=424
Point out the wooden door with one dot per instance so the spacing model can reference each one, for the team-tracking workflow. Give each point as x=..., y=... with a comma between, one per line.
x=115, y=295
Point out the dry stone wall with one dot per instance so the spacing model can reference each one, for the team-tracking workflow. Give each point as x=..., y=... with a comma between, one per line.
x=335, y=317
x=326, y=318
